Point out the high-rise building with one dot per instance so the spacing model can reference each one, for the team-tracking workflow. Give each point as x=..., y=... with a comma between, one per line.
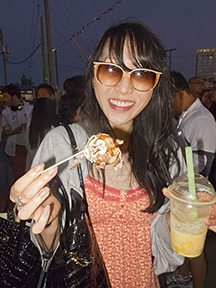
x=206, y=65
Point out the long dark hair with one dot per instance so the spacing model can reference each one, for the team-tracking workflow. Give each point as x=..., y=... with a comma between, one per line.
x=152, y=149
x=43, y=117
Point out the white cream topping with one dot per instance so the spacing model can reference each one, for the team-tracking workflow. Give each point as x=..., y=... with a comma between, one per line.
x=101, y=148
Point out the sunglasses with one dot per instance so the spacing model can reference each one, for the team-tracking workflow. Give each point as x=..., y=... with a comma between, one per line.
x=111, y=74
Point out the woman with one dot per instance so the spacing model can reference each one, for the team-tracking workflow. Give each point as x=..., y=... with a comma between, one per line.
x=42, y=120
x=128, y=96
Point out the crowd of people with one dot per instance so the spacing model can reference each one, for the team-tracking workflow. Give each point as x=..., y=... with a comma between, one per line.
x=128, y=92
x=23, y=126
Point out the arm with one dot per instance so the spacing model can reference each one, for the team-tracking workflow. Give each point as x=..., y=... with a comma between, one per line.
x=17, y=130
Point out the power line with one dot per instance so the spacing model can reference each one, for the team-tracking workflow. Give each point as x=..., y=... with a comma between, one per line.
x=67, y=18
x=60, y=34
x=69, y=22
x=27, y=57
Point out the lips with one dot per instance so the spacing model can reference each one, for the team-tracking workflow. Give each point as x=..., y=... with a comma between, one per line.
x=121, y=104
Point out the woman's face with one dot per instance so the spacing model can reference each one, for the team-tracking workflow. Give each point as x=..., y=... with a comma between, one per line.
x=120, y=103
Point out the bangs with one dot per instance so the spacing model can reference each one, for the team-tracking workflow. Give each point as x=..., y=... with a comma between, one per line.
x=140, y=52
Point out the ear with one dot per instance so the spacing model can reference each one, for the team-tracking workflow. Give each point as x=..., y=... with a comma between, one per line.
x=181, y=94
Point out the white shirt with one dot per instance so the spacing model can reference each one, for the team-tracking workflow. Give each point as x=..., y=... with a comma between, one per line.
x=199, y=129
x=14, y=119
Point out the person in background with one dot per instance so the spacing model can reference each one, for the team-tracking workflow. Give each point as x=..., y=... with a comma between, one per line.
x=74, y=84
x=196, y=85
x=15, y=117
x=212, y=107
x=70, y=104
x=42, y=120
x=45, y=90
x=6, y=172
x=198, y=127
x=128, y=92
x=205, y=98
x=196, y=123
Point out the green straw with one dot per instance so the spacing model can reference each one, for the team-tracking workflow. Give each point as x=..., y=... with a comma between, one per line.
x=191, y=178
x=190, y=171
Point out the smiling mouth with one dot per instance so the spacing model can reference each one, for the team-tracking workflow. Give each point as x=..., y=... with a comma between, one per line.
x=121, y=103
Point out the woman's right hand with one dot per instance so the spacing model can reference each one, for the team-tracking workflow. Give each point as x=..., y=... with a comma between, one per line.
x=36, y=199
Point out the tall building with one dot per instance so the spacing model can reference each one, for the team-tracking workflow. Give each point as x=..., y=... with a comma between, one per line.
x=206, y=65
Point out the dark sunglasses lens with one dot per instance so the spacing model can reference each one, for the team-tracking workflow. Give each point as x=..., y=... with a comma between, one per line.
x=109, y=74
x=143, y=80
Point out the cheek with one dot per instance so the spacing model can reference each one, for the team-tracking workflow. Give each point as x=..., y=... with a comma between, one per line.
x=144, y=99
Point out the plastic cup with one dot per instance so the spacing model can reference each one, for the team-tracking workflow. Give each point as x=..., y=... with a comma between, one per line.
x=188, y=214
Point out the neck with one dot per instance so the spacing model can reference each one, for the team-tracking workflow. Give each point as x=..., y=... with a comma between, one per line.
x=195, y=95
x=122, y=132
x=190, y=101
x=117, y=133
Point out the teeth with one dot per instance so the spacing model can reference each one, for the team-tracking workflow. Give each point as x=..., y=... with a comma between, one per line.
x=121, y=103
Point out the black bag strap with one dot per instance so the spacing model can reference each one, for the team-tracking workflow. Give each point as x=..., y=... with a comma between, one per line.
x=74, y=149
x=79, y=169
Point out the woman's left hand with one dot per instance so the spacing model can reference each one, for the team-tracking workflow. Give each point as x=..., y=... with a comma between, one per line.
x=210, y=222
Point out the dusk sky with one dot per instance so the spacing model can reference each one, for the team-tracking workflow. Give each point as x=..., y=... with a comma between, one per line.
x=184, y=25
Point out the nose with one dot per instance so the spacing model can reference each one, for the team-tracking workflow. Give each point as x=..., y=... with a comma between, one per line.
x=124, y=86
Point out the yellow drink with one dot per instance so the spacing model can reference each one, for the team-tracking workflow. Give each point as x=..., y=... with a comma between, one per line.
x=187, y=245
x=188, y=214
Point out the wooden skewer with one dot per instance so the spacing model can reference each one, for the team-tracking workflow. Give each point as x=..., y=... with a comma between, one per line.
x=63, y=161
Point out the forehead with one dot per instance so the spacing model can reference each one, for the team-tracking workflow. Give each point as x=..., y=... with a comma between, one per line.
x=197, y=79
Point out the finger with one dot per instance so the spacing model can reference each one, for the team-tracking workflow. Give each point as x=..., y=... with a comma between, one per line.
x=35, y=186
x=165, y=192
x=212, y=212
x=20, y=185
x=42, y=221
x=213, y=228
x=27, y=210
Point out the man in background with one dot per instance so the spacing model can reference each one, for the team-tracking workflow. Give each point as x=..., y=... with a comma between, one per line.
x=45, y=91
x=15, y=117
x=198, y=128
x=196, y=85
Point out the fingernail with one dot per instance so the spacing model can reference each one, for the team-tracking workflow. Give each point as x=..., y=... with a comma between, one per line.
x=44, y=192
x=39, y=167
x=52, y=171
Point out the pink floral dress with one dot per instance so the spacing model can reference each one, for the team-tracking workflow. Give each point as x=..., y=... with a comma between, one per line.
x=123, y=234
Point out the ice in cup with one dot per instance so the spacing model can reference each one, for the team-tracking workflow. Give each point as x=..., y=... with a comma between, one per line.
x=188, y=214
